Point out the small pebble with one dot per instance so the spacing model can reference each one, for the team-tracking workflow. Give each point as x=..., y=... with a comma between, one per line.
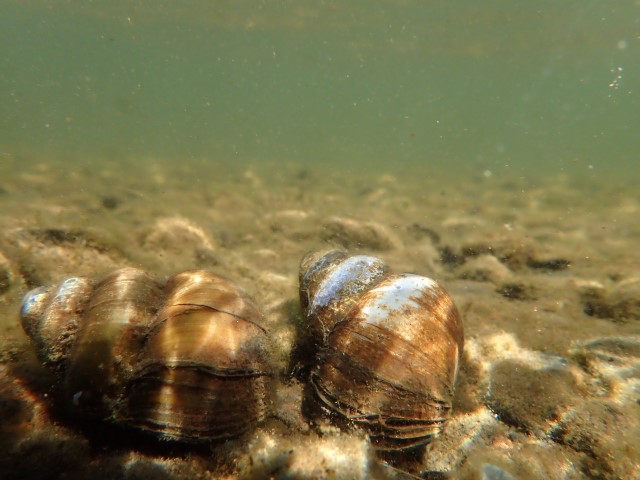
x=110, y=202
x=353, y=234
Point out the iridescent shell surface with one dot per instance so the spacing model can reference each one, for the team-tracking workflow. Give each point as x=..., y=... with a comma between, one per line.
x=330, y=284
x=187, y=360
x=391, y=350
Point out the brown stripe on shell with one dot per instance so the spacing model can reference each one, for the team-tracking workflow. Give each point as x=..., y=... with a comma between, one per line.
x=202, y=372
x=191, y=404
x=109, y=339
x=187, y=361
x=390, y=362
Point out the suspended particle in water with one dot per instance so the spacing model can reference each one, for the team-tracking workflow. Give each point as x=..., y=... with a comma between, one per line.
x=617, y=72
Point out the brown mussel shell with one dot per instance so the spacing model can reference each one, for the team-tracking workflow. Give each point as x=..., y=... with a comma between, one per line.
x=389, y=362
x=187, y=360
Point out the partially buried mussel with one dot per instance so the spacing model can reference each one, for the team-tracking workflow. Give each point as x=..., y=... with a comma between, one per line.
x=390, y=346
x=187, y=359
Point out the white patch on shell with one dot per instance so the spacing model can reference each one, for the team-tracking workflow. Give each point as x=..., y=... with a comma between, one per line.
x=356, y=267
x=67, y=289
x=32, y=301
x=395, y=294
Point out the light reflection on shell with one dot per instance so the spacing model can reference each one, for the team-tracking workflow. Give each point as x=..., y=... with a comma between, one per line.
x=187, y=360
x=389, y=353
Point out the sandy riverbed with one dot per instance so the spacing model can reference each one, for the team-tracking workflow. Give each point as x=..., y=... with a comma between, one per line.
x=544, y=270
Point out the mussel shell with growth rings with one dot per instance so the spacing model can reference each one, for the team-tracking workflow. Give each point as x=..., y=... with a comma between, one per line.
x=390, y=346
x=187, y=359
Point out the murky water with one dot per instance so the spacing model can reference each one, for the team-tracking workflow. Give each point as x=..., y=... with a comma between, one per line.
x=524, y=85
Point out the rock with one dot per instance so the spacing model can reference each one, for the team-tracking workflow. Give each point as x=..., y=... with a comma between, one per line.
x=44, y=255
x=490, y=350
x=618, y=301
x=8, y=275
x=520, y=459
x=422, y=258
x=489, y=471
x=515, y=251
x=296, y=225
x=450, y=257
x=462, y=435
x=549, y=263
x=356, y=234
x=511, y=249
x=614, y=363
x=30, y=446
x=110, y=202
x=17, y=409
x=517, y=291
x=419, y=232
x=531, y=399
x=175, y=234
x=301, y=456
x=485, y=268
x=288, y=406
x=608, y=435
x=181, y=244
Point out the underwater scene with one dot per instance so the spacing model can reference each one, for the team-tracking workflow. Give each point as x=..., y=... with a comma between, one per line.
x=391, y=239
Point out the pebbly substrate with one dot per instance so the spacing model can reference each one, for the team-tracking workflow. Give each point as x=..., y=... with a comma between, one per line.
x=543, y=269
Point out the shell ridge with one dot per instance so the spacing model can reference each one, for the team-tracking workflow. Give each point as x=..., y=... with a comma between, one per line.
x=160, y=322
x=436, y=371
x=190, y=365
x=426, y=396
x=382, y=431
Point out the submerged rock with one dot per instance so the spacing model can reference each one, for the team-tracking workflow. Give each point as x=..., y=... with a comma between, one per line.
x=43, y=254
x=357, y=234
x=619, y=301
x=180, y=242
x=485, y=268
x=608, y=435
x=8, y=275
x=531, y=399
x=333, y=457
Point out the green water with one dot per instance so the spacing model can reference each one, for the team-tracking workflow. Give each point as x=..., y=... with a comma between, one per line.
x=519, y=85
